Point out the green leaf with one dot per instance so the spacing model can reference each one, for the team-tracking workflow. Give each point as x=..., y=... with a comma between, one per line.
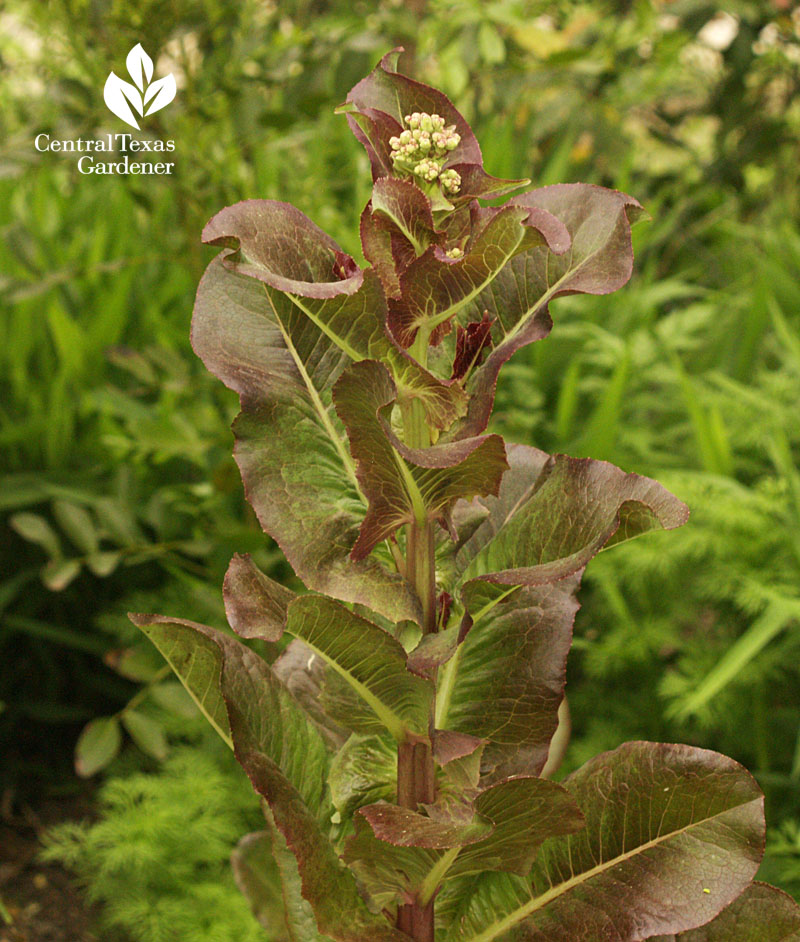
x=405, y=484
x=140, y=663
x=776, y=617
x=119, y=521
x=103, y=564
x=97, y=745
x=596, y=221
x=267, y=875
x=363, y=772
x=147, y=733
x=255, y=605
x=290, y=447
x=490, y=43
x=369, y=659
x=761, y=914
x=58, y=573
x=195, y=657
x=36, y=529
x=173, y=697
x=78, y=524
x=285, y=758
x=672, y=834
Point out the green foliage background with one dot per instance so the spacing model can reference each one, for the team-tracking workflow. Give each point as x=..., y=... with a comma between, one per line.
x=118, y=490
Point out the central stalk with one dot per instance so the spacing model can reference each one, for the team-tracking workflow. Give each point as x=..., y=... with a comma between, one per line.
x=416, y=783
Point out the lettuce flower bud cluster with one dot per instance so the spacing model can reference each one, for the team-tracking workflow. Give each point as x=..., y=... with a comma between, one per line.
x=422, y=148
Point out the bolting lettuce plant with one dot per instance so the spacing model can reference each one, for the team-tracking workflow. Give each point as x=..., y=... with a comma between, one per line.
x=399, y=740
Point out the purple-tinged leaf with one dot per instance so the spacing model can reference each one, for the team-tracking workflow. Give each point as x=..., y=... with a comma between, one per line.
x=513, y=658
x=255, y=605
x=374, y=128
x=470, y=344
x=761, y=914
x=386, y=249
x=475, y=183
x=276, y=244
x=375, y=110
x=435, y=287
x=291, y=448
x=403, y=204
x=396, y=226
x=600, y=261
x=400, y=854
x=457, y=777
x=389, y=874
x=282, y=247
x=519, y=569
x=285, y=758
x=673, y=834
x=433, y=650
x=369, y=659
x=449, y=746
x=404, y=484
x=402, y=827
x=572, y=509
x=525, y=812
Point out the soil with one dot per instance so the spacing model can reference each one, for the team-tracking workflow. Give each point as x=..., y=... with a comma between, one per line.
x=40, y=902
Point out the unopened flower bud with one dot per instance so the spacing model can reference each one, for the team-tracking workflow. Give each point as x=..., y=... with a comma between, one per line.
x=455, y=252
x=451, y=181
x=427, y=169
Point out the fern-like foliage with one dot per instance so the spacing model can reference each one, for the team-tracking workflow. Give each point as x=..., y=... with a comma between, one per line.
x=158, y=860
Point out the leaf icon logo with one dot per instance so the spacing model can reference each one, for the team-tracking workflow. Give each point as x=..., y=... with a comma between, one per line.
x=143, y=97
